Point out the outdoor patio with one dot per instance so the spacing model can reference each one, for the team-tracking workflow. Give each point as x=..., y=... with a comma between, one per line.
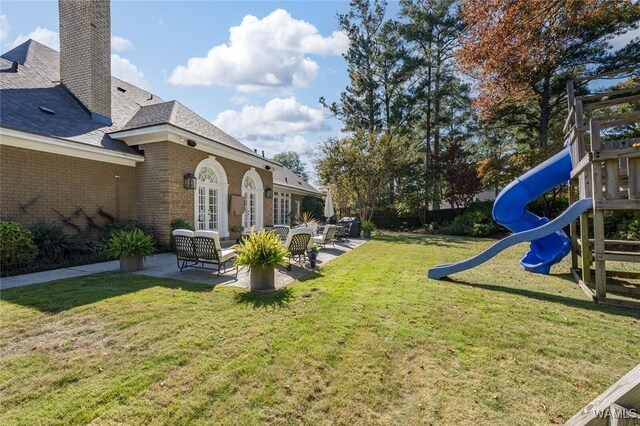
x=163, y=265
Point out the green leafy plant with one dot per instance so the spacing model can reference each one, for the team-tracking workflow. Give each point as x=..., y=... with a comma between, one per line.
x=307, y=218
x=51, y=240
x=237, y=228
x=130, y=243
x=261, y=250
x=180, y=223
x=367, y=226
x=314, y=247
x=16, y=244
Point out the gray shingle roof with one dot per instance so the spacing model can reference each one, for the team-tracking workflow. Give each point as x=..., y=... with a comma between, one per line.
x=37, y=84
x=285, y=177
x=173, y=112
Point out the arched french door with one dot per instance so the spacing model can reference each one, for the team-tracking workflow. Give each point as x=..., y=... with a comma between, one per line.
x=253, y=193
x=210, y=206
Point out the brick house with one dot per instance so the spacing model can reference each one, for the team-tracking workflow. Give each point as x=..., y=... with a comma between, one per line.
x=81, y=148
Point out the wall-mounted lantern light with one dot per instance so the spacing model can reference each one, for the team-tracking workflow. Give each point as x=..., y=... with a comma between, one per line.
x=190, y=181
x=268, y=193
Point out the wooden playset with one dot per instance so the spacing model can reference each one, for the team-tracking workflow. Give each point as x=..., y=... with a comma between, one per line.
x=608, y=172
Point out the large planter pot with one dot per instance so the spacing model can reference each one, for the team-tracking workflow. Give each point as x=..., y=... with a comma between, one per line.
x=131, y=263
x=263, y=279
x=366, y=234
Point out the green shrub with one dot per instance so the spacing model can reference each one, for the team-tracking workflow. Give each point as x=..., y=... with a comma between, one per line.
x=180, y=223
x=130, y=243
x=628, y=228
x=52, y=242
x=261, y=250
x=476, y=221
x=16, y=245
x=368, y=225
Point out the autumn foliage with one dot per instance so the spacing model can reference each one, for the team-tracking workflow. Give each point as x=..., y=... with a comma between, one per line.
x=510, y=45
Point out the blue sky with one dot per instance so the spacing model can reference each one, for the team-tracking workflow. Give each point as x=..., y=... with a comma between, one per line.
x=260, y=85
x=254, y=68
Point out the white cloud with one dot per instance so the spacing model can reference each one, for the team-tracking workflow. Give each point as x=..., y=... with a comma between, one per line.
x=262, y=55
x=278, y=118
x=4, y=27
x=622, y=40
x=120, y=44
x=41, y=35
x=125, y=70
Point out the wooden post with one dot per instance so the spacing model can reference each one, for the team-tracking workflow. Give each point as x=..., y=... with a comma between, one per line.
x=613, y=181
x=633, y=171
x=598, y=215
x=573, y=229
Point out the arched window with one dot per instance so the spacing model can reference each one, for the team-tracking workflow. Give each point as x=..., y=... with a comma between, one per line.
x=211, y=197
x=252, y=192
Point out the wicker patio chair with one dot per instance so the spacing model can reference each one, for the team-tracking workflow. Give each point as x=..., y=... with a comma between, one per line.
x=298, y=242
x=208, y=250
x=185, y=250
x=328, y=236
x=282, y=231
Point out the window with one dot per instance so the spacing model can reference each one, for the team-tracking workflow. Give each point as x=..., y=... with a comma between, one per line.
x=281, y=208
x=210, y=209
x=253, y=194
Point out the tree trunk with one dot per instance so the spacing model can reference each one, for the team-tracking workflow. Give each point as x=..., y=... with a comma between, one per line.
x=436, y=131
x=543, y=128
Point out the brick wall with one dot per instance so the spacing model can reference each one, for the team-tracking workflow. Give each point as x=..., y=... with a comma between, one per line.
x=161, y=196
x=152, y=193
x=85, y=52
x=36, y=185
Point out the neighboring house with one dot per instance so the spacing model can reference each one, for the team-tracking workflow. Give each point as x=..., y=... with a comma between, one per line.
x=81, y=148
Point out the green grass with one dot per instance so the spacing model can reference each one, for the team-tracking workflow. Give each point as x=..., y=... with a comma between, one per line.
x=366, y=340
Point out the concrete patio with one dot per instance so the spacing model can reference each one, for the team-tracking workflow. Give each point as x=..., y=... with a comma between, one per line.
x=163, y=265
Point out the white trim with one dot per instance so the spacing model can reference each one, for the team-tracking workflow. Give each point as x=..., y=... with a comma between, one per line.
x=34, y=142
x=171, y=133
x=297, y=191
x=258, y=192
x=223, y=190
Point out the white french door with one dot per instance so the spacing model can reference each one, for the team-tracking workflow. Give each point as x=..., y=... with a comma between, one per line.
x=250, y=210
x=207, y=208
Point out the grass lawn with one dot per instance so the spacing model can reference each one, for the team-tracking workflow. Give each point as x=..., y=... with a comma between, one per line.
x=368, y=339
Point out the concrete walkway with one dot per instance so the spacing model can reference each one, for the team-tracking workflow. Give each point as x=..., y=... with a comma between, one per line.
x=163, y=265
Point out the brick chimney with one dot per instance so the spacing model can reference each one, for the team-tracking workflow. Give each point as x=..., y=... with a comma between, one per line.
x=85, y=54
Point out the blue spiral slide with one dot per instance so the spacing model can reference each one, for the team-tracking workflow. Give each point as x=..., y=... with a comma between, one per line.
x=549, y=243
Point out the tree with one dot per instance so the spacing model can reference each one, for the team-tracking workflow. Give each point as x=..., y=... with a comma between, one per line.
x=460, y=178
x=356, y=164
x=519, y=50
x=291, y=161
x=431, y=30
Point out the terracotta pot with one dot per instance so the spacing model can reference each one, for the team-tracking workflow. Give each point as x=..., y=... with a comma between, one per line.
x=263, y=279
x=131, y=263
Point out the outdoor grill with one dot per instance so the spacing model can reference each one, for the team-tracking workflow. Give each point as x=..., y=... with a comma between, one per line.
x=355, y=225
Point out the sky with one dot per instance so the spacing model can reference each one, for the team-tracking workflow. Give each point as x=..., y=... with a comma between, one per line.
x=256, y=69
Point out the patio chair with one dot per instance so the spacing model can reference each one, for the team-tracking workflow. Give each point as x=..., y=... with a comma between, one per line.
x=282, y=231
x=328, y=236
x=341, y=232
x=185, y=250
x=298, y=242
x=208, y=250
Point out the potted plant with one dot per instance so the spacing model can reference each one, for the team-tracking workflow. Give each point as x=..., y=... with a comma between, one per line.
x=313, y=255
x=367, y=227
x=261, y=252
x=131, y=247
x=236, y=232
